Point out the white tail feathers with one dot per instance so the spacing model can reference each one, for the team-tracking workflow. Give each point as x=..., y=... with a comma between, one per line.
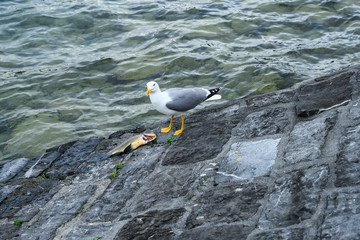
x=212, y=94
x=215, y=97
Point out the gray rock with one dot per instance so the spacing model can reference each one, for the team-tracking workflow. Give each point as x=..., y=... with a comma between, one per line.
x=92, y=231
x=293, y=233
x=151, y=225
x=354, y=112
x=247, y=160
x=312, y=97
x=226, y=203
x=348, y=161
x=69, y=162
x=266, y=122
x=187, y=150
x=58, y=212
x=7, y=190
x=27, y=205
x=294, y=198
x=342, y=215
x=166, y=188
x=98, y=167
x=124, y=186
x=12, y=168
x=226, y=231
x=9, y=231
x=355, y=80
x=38, y=165
x=272, y=98
x=41, y=164
x=308, y=137
x=36, y=198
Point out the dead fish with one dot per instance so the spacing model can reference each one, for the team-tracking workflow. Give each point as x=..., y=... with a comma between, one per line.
x=133, y=143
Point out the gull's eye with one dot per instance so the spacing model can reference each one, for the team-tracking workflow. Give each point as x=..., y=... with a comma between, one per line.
x=154, y=84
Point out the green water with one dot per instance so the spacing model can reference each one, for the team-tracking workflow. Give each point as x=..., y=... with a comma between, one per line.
x=74, y=69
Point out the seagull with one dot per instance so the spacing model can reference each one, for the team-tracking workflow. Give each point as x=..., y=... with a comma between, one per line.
x=176, y=101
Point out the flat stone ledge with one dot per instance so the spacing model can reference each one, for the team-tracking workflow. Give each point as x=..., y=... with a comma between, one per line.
x=312, y=97
x=247, y=160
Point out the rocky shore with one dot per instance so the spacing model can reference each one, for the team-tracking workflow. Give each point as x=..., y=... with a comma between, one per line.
x=283, y=165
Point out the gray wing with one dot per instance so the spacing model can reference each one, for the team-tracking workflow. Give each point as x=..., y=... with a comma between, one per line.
x=184, y=99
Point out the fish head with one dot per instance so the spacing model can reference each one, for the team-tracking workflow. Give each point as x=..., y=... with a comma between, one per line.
x=148, y=137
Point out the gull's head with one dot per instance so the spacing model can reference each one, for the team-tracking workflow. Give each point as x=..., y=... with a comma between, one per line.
x=152, y=87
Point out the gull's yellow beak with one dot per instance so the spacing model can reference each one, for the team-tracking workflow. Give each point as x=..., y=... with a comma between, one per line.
x=148, y=91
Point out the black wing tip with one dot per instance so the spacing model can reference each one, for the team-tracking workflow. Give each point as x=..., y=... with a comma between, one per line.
x=212, y=92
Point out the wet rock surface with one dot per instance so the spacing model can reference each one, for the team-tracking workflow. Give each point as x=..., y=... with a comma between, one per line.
x=283, y=165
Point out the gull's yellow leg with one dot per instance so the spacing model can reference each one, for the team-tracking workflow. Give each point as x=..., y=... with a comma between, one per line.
x=165, y=130
x=182, y=126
